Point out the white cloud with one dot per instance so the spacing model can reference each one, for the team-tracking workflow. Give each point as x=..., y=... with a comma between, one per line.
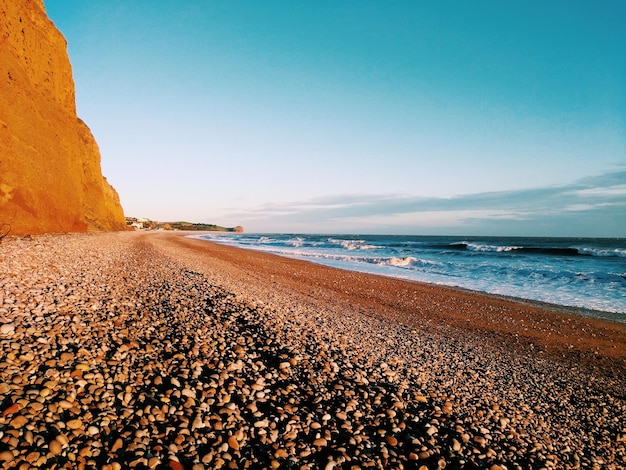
x=597, y=203
x=618, y=190
x=586, y=207
x=451, y=218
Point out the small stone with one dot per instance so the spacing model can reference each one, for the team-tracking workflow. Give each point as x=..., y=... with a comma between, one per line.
x=85, y=452
x=320, y=442
x=281, y=453
x=6, y=456
x=456, y=445
x=66, y=405
x=117, y=445
x=36, y=406
x=175, y=465
x=233, y=443
x=67, y=356
x=55, y=447
x=7, y=329
x=481, y=441
x=392, y=441
x=33, y=457
x=14, y=408
x=19, y=421
x=74, y=424
x=188, y=393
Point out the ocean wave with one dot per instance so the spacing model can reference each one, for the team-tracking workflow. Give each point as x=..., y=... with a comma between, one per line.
x=352, y=245
x=402, y=262
x=603, y=252
x=391, y=261
x=539, y=250
x=296, y=242
x=585, y=273
x=483, y=248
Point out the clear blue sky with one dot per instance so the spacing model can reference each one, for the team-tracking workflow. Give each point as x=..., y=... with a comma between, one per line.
x=419, y=117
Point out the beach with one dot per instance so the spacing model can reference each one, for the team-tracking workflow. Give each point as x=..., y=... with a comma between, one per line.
x=153, y=350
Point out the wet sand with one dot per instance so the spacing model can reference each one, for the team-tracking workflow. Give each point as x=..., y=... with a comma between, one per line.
x=151, y=350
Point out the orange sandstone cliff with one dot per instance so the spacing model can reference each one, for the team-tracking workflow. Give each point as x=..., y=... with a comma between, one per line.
x=50, y=176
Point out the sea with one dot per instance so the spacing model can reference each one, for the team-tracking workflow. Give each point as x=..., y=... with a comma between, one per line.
x=586, y=273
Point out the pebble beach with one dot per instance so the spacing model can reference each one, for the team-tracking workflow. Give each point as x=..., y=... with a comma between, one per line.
x=155, y=351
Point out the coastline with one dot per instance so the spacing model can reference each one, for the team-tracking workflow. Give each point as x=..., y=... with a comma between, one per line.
x=469, y=312
x=575, y=275
x=152, y=350
x=598, y=314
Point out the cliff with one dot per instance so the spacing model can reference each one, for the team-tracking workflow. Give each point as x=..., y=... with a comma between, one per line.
x=50, y=176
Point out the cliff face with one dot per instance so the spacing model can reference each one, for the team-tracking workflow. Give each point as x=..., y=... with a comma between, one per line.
x=50, y=177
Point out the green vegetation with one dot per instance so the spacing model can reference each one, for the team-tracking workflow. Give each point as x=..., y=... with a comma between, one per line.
x=146, y=224
x=200, y=227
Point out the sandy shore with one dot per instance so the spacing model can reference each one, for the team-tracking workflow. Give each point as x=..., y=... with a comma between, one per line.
x=150, y=350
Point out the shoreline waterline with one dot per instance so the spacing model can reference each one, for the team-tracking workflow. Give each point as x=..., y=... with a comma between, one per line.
x=279, y=244
x=525, y=325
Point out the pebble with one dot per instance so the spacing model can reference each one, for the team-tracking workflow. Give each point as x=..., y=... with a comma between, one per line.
x=74, y=424
x=391, y=440
x=55, y=447
x=233, y=443
x=150, y=360
x=320, y=442
x=19, y=421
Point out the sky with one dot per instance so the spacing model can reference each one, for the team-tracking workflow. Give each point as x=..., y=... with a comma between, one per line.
x=401, y=117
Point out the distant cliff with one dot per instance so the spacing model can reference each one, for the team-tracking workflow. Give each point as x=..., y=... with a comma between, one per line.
x=50, y=176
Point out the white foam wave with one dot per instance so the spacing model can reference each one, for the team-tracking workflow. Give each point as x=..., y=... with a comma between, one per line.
x=401, y=262
x=296, y=242
x=603, y=252
x=489, y=248
x=352, y=245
